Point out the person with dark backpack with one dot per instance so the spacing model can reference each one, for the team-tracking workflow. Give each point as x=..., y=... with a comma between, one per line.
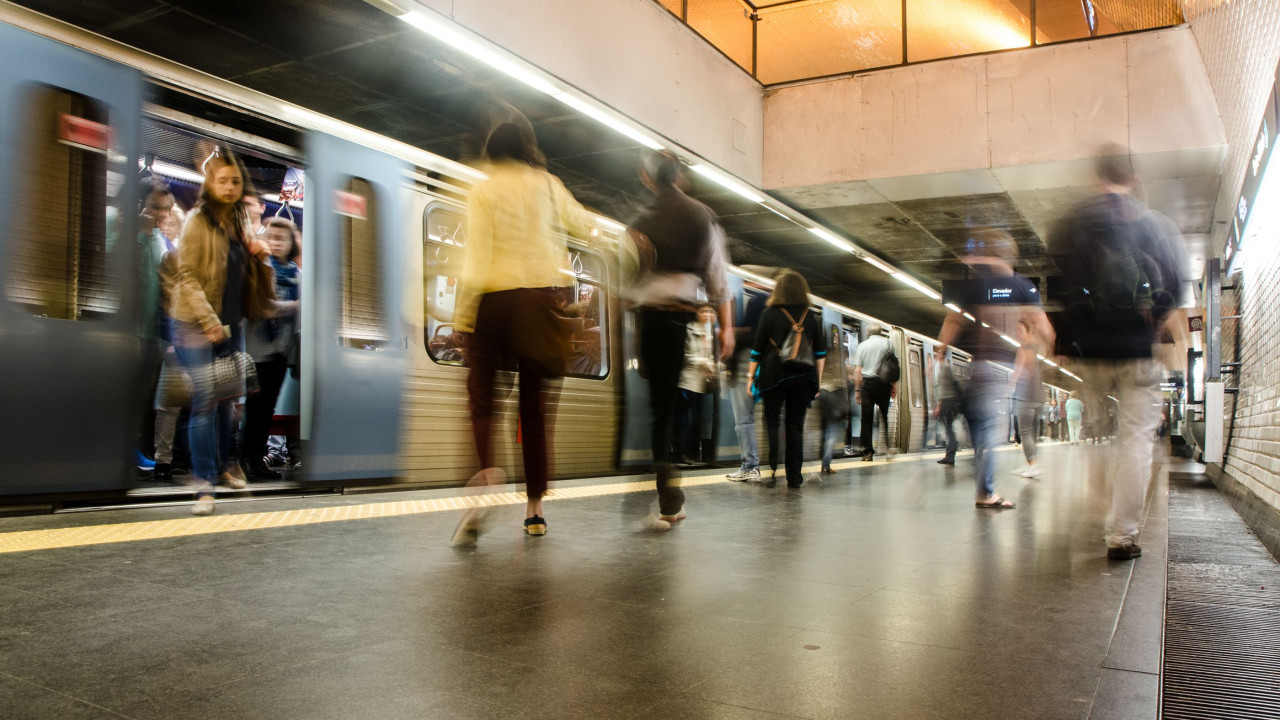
x=875, y=375
x=1123, y=272
x=786, y=362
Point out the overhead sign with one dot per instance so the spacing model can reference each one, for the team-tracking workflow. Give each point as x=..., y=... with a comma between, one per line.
x=1196, y=324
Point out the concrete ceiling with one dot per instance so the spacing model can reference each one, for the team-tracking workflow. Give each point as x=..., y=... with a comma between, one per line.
x=354, y=62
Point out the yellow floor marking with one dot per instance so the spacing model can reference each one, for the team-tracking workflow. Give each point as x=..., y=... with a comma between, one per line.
x=31, y=540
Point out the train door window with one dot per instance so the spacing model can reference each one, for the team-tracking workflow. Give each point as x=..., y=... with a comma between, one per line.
x=442, y=257
x=589, y=342
x=916, y=365
x=66, y=211
x=363, y=320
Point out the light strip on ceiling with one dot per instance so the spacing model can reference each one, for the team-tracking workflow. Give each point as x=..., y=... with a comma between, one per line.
x=176, y=172
x=832, y=238
x=970, y=317
x=877, y=264
x=1047, y=361
x=919, y=286
x=727, y=182
x=450, y=35
x=1009, y=340
x=953, y=307
x=605, y=118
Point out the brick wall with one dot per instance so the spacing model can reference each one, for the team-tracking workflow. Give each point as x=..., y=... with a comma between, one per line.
x=1240, y=43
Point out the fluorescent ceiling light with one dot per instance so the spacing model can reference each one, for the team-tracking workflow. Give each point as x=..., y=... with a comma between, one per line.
x=921, y=287
x=986, y=325
x=175, y=172
x=448, y=33
x=971, y=318
x=833, y=239
x=754, y=277
x=952, y=307
x=606, y=118
x=729, y=183
x=1009, y=340
x=879, y=265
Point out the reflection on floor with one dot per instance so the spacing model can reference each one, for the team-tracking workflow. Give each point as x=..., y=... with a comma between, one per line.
x=880, y=592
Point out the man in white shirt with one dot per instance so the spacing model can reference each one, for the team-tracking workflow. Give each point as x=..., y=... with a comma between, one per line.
x=872, y=392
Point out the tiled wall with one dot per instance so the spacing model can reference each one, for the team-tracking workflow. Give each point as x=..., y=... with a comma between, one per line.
x=1240, y=43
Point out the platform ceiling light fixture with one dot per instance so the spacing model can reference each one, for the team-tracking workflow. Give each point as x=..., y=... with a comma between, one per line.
x=877, y=264
x=727, y=182
x=605, y=118
x=449, y=34
x=174, y=171
x=911, y=282
x=953, y=307
x=969, y=317
x=834, y=239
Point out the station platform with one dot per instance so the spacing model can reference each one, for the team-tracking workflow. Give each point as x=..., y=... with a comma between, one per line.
x=879, y=592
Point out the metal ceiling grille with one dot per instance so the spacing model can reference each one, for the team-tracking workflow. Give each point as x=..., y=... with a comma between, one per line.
x=1222, y=617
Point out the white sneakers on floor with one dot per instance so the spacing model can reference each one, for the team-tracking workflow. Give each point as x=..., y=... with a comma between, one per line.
x=752, y=475
x=1029, y=471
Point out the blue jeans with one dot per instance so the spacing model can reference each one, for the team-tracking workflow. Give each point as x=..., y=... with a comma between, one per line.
x=209, y=427
x=987, y=394
x=744, y=417
x=831, y=432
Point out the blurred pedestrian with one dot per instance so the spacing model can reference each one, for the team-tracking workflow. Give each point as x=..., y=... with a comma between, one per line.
x=687, y=248
x=738, y=381
x=1075, y=417
x=510, y=300
x=998, y=298
x=790, y=352
x=699, y=379
x=947, y=405
x=1123, y=268
x=1027, y=390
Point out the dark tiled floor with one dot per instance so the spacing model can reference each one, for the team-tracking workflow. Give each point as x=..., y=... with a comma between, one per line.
x=879, y=593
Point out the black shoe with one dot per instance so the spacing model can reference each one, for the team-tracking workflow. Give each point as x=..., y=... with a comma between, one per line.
x=163, y=473
x=181, y=469
x=868, y=456
x=947, y=461
x=1128, y=551
x=772, y=481
x=260, y=471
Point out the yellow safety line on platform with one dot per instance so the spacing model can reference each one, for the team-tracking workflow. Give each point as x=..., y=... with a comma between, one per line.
x=31, y=540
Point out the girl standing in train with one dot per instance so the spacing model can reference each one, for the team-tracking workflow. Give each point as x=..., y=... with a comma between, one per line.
x=221, y=278
x=509, y=300
x=786, y=377
x=268, y=342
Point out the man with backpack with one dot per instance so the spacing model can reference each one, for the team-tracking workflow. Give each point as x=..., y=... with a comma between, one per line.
x=875, y=378
x=1123, y=271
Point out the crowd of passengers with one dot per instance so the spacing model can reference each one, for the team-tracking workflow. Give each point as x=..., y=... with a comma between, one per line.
x=1122, y=263
x=224, y=289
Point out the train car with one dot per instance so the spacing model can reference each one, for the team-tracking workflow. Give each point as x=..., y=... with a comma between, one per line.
x=379, y=394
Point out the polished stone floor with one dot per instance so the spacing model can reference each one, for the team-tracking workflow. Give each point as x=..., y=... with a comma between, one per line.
x=878, y=593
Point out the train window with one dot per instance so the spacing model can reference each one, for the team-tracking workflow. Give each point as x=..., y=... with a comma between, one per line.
x=67, y=210
x=363, y=324
x=589, y=351
x=442, y=256
x=916, y=383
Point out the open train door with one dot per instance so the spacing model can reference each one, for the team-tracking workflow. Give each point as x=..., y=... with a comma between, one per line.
x=355, y=341
x=71, y=321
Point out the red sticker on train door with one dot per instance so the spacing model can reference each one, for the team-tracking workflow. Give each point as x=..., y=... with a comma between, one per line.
x=84, y=134
x=350, y=205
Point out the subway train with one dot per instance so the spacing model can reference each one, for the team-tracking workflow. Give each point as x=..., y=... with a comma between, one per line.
x=379, y=397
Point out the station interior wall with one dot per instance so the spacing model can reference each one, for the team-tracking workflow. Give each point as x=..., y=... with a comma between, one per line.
x=1240, y=44
x=638, y=58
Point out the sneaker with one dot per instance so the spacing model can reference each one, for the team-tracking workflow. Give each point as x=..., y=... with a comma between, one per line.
x=1127, y=551
x=752, y=475
x=260, y=471
x=671, y=519
x=163, y=473
x=1022, y=471
x=654, y=524
x=234, y=478
x=203, y=506
x=142, y=462
x=1032, y=471
x=535, y=525
x=468, y=530
x=827, y=471
x=868, y=456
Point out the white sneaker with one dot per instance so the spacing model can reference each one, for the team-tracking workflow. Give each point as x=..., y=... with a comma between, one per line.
x=1022, y=471
x=1032, y=471
x=654, y=525
x=752, y=475
x=203, y=506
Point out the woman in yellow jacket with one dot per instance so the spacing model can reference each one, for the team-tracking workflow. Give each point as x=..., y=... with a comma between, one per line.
x=220, y=279
x=509, y=294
